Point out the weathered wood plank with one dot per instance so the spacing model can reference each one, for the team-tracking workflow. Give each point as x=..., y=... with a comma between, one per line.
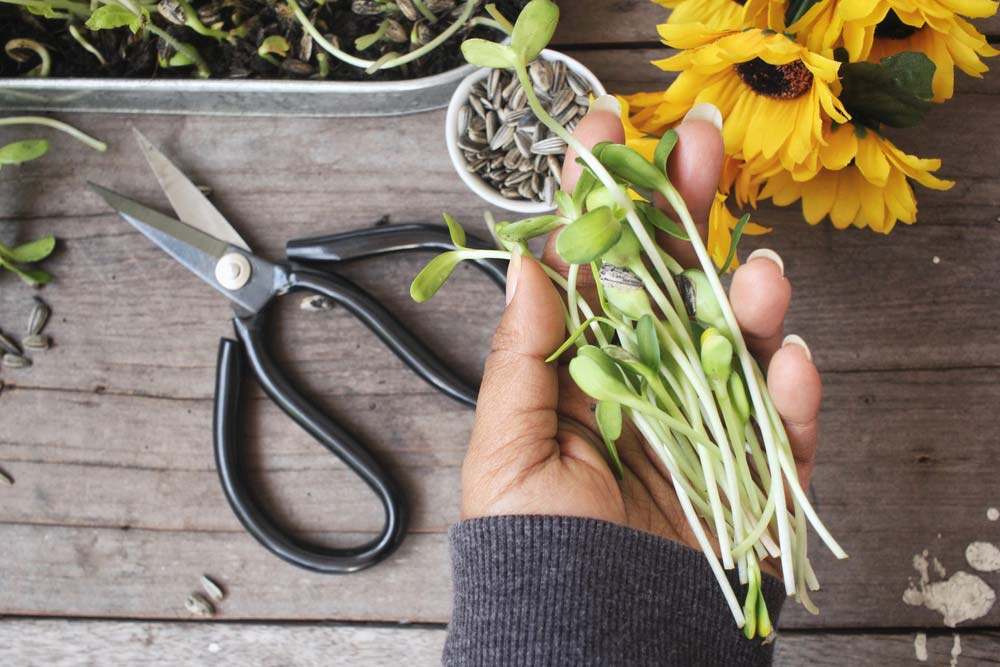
x=36, y=643
x=899, y=442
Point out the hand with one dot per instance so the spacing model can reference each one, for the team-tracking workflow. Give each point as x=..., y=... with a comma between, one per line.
x=535, y=448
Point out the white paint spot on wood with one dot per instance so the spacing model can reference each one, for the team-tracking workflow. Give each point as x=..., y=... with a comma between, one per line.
x=939, y=569
x=983, y=556
x=962, y=597
x=936, y=260
x=920, y=646
x=956, y=650
x=993, y=514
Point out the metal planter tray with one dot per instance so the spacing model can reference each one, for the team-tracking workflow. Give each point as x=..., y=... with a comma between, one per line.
x=245, y=97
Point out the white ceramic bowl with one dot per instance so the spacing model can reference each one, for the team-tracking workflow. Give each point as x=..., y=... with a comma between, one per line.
x=477, y=184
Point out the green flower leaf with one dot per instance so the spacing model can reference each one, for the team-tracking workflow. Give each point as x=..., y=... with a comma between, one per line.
x=628, y=164
x=609, y=423
x=589, y=236
x=737, y=235
x=110, y=17
x=895, y=91
x=484, y=53
x=23, y=151
x=649, y=342
x=663, y=149
x=533, y=29
x=434, y=275
x=654, y=217
x=529, y=228
x=33, y=251
x=455, y=231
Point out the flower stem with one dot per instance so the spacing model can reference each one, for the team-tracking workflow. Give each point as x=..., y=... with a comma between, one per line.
x=99, y=146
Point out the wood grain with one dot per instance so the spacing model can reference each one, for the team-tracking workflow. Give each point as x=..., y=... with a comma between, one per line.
x=92, y=505
x=117, y=509
x=34, y=643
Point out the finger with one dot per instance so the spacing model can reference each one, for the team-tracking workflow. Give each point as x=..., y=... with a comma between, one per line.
x=516, y=410
x=760, y=294
x=694, y=168
x=795, y=387
x=602, y=123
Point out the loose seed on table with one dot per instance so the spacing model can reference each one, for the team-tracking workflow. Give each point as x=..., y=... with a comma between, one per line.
x=15, y=361
x=36, y=342
x=7, y=345
x=198, y=605
x=6, y=478
x=213, y=589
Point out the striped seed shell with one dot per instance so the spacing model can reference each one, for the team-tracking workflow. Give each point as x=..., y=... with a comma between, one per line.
x=579, y=84
x=550, y=146
x=463, y=119
x=541, y=75
x=198, y=605
x=503, y=137
x=493, y=82
x=523, y=143
x=7, y=345
x=15, y=361
x=36, y=342
x=214, y=590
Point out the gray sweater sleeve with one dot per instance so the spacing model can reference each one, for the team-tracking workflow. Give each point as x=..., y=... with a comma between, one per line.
x=554, y=590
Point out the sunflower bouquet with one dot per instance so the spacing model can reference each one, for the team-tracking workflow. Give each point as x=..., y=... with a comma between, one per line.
x=806, y=88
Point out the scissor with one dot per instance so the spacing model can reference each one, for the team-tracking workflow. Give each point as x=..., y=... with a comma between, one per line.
x=204, y=242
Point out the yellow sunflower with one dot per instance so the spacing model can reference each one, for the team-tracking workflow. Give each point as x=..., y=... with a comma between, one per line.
x=773, y=93
x=873, y=30
x=862, y=182
x=715, y=14
x=720, y=221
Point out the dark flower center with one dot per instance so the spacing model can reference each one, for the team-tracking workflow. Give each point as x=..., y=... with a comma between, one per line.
x=780, y=82
x=892, y=27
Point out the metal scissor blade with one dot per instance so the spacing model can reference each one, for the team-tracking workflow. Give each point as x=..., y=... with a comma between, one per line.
x=189, y=203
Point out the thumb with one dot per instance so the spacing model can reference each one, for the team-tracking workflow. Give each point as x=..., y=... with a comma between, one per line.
x=516, y=410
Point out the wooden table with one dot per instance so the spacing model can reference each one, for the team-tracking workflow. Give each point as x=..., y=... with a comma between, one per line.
x=117, y=509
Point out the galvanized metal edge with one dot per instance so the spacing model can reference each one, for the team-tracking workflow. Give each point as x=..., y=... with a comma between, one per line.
x=246, y=97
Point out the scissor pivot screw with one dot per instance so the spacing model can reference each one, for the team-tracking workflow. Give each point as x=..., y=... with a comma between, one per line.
x=233, y=271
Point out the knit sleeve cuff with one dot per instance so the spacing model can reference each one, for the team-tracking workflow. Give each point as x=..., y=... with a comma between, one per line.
x=554, y=590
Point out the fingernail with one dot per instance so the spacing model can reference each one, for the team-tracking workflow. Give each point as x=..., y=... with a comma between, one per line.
x=513, y=269
x=767, y=253
x=705, y=111
x=606, y=103
x=792, y=339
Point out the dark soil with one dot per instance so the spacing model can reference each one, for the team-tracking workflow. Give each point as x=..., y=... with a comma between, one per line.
x=136, y=56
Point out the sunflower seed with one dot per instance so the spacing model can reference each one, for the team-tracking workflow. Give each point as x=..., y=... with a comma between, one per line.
x=508, y=193
x=523, y=144
x=513, y=117
x=492, y=122
x=198, y=605
x=468, y=145
x=409, y=10
x=555, y=168
x=540, y=164
x=519, y=99
x=8, y=345
x=493, y=82
x=367, y=7
x=579, y=85
x=172, y=11
x=6, y=478
x=463, y=119
x=477, y=105
x=516, y=177
x=524, y=189
x=213, y=589
x=562, y=102
x=316, y=303
x=496, y=162
x=541, y=76
x=566, y=115
x=478, y=123
x=480, y=137
x=15, y=361
x=503, y=137
x=549, y=190
x=536, y=182
x=550, y=146
x=36, y=342
x=511, y=159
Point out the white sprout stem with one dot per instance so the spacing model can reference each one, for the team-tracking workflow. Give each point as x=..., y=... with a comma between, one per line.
x=746, y=361
x=99, y=146
x=572, y=294
x=584, y=307
x=693, y=520
x=361, y=63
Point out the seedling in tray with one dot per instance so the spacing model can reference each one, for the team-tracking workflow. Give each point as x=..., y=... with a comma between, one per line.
x=667, y=353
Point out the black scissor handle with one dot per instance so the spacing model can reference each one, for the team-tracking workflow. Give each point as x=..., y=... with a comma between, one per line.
x=390, y=330
x=375, y=241
x=229, y=376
